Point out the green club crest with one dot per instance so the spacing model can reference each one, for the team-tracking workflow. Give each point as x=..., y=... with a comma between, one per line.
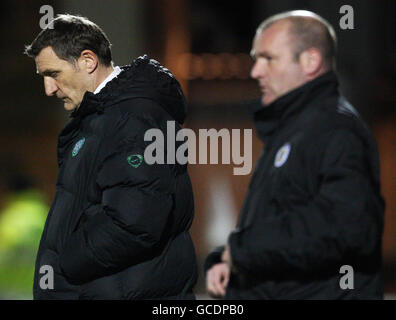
x=135, y=160
x=77, y=147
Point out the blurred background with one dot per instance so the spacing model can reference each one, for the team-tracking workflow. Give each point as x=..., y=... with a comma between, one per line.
x=206, y=45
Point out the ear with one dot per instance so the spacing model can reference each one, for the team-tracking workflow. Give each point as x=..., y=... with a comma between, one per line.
x=311, y=61
x=88, y=61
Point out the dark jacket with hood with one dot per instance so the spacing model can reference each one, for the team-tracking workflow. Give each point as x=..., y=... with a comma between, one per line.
x=119, y=227
x=313, y=204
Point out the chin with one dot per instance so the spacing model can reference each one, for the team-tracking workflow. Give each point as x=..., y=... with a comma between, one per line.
x=265, y=101
x=69, y=106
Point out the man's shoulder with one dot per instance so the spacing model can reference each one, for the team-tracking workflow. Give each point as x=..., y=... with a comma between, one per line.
x=336, y=116
x=331, y=121
x=132, y=112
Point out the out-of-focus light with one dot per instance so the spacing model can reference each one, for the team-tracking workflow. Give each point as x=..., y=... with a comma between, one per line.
x=209, y=66
x=213, y=66
x=197, y=67
x=183, y=66
x=245, y=65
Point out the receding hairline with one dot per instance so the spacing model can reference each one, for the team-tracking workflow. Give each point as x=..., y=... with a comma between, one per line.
x=298, y=20
x=289, y=15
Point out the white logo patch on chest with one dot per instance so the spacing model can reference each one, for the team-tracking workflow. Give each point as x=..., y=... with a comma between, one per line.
x=282, y=155
x=77, y=147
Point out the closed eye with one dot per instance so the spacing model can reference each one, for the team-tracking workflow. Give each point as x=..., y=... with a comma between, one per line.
x=267, y=56
x=50, y=73
x=54, y=74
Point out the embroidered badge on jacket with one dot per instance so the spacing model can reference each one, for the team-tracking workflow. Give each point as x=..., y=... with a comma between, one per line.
x=135, y=160
x=282, y=155
x=77, y=147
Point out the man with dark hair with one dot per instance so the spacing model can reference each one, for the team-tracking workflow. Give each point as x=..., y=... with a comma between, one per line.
x=313, y=209
x=118, y=227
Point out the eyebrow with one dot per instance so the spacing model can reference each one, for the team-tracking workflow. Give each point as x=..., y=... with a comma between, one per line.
x=255, y=54
x=47, y=72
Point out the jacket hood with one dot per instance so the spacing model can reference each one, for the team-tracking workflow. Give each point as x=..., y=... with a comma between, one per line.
x=144, y=78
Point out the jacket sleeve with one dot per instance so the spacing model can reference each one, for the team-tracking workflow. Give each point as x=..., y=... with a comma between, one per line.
x=345, y=219
x=213, y=258
x=129, y=226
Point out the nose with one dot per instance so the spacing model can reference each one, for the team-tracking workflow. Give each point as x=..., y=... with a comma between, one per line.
x=50, y=86
x=258, y=69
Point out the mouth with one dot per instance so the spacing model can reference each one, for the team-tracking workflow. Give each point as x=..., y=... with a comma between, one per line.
x=263, y=87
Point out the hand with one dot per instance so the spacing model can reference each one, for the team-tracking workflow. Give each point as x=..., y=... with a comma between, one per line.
x=226, y=256
x=217, y=279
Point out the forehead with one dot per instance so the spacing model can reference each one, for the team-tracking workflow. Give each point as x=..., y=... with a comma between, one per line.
x=276, y=36
x=48, y=60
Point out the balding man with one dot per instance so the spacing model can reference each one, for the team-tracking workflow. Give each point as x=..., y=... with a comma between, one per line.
x=312, y=221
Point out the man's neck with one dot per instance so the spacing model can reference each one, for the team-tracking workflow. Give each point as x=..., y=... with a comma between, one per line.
x=103, y=73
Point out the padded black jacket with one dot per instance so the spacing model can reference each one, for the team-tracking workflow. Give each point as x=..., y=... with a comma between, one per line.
x=313, y=204
x=119, y=227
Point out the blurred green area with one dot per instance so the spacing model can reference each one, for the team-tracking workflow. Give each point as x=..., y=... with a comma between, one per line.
x=22, y=219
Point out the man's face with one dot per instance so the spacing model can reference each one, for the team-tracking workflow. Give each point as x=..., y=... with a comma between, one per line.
x=66, y=81
x=275, y=68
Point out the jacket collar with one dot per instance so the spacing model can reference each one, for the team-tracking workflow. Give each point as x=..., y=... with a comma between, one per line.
x=89, y=104
x=285, y=109
x=144, y=78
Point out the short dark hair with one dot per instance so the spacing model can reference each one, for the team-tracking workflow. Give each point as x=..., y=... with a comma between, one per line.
x=68, y=35
x=308, y=30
